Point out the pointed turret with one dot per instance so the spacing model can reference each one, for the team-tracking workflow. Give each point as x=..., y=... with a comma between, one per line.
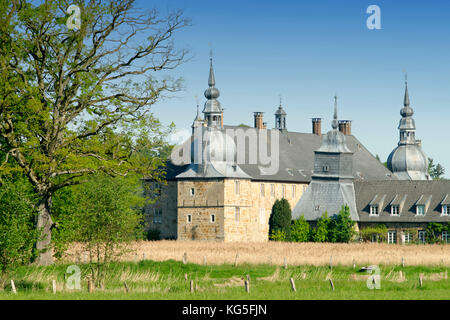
x=280, y=118
x=213, y=111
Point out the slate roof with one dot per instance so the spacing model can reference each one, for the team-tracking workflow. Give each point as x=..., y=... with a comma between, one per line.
x=296, y=161
x=407, y=194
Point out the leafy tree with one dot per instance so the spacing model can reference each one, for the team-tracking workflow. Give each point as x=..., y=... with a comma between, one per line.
x=106, y=216
x=76, y=102
x=341, y=227
x=280, y=218
x=300, y=230
x=436, y=171
x=433, y=232
x=320, y=232
x=17, y=234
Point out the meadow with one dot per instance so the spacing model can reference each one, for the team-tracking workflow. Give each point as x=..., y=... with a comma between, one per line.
x=163, y=274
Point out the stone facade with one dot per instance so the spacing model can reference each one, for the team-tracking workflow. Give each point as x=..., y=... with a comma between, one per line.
x=220, y=209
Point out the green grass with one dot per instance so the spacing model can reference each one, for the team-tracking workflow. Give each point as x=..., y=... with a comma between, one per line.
x=165, y=280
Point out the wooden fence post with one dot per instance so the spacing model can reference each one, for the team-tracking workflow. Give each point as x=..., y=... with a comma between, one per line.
x=285, y=263
x=185, y=258
x=185, y=277
x=192, y=285
x=236, y=259
x=54, y=286
x=403, y=262
x=354, y=264
x=126, y=287
x=331, y=284
x=421, y=280
x=293, y=285
x=90, y=286
x=204, y=260
x=13, y=287
x=247, y=286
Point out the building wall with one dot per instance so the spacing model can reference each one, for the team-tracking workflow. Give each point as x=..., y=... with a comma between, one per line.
x=167, y=203
x=400, y=228
x=207, y=200
x=254, y=207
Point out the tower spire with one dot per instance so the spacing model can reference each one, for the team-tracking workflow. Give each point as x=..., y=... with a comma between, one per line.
x=406, y=98
x=334, y=123
x=213, y=111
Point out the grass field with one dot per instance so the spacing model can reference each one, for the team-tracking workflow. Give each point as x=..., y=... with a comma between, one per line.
x=166, y=280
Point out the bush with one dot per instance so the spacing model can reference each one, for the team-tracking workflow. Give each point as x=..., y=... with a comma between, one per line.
x=280, y=218
x=278, y=235
x=320, y=232
x=341, y=227
x=153, y=234
x=17, y=232
x=434, y=232
x=300, y=230
x=378, y=232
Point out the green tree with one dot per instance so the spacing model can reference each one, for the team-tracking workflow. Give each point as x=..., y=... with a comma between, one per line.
x=320, y=232
x=77, y=102
x=300, y=230
x=280, y=217
x=433, y=232
x=341, y=227
x=106, y=216
x=278, y=235
x=17, y=234
x=436, y=171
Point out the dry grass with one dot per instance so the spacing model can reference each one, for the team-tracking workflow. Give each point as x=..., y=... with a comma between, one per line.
x=274, y=252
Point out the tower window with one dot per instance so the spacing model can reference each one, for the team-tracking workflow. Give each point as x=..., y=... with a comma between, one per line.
x=192, y=191
x=237, y=214
x=213, y=218
x=293, y=191
x=236, y=187
x=262, y=190
x=272, y=190
x=189, y=218
x=283, y=191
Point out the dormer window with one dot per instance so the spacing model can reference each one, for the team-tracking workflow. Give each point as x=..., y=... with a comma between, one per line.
x=420, y=210
x=446, y=209
x=374, y=210
x=395, y=210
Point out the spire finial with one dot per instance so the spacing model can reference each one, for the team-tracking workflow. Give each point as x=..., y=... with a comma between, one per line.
x=334, y=123
x=281, y=99
x=406, y=99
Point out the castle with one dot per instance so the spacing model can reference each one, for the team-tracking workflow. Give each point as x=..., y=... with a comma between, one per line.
x=223, y=181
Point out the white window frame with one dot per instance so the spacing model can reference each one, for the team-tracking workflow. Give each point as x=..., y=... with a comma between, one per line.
x=212, y=218
x=189, y=218
x=395, y=210
x=237, y=187
x=408, y=237
x=237, y=214
x=418, y=211
x=445, y=236
x=157, y=215
x=392, y=237
x=374, y=210
x=422, y=236
x=445, y=210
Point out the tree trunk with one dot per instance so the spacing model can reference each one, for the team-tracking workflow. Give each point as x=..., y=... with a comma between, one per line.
x=44, y=223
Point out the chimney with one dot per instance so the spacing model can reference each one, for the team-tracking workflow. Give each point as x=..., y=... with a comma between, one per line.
x=258, y=120
x=345, y=126
x=317, y=126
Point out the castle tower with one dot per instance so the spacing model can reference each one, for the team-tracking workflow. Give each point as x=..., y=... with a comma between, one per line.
x=408, y=161
x=280, y=118
x=213, y=111
x=331, y=185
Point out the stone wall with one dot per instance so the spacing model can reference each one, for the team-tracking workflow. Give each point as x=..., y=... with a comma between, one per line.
x=166, y=201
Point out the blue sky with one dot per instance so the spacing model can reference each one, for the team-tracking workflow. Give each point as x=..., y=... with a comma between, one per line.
x=309, y=50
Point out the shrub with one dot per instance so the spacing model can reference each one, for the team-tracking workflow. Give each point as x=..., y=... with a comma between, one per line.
x=278, y=235
x=280, y=218
x=320, y=232
x=379, y=233
x=300, y=230
x=341, y=227
x=434, y=232
x=153, y=234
